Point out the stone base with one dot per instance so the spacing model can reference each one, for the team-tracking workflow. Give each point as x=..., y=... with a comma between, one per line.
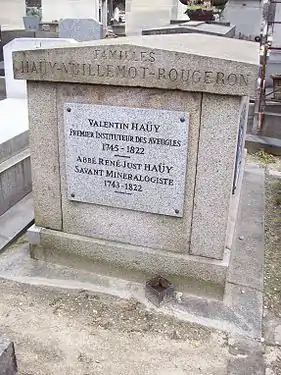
x=240, y=309
x=8, y=362
x=136, y=262
x=124, y=260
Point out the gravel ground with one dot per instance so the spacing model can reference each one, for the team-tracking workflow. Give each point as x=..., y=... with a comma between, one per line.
x=68, y=332
x=58, y=332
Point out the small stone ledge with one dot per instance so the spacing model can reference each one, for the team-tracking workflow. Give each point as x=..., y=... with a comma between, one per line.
x=8, y=362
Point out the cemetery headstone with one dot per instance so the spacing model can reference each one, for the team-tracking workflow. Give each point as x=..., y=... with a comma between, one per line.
x=31, y=22
x=15, y=170
x=15, y=88
x=138, y=142
x=80, y=29
x=12, y=13
x=54, y=10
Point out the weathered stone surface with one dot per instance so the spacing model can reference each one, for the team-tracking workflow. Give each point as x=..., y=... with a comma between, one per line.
x=8, y=362
x=185, y=62
x=157, y=73
x=216, y=158
x=43, y=137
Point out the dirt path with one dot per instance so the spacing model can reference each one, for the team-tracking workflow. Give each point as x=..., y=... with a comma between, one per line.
x=60, y=332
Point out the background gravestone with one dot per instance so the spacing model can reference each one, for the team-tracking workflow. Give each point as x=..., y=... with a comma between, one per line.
x=80, y=29
x=15, y=88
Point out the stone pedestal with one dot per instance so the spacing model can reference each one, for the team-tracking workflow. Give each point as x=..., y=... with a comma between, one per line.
x=178, y=11
x=238, y=13
x=11, y=14
x=53, y=10
x=144, y=14
x=137, y=152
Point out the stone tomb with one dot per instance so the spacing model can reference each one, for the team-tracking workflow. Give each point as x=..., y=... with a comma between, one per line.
x=134, y=152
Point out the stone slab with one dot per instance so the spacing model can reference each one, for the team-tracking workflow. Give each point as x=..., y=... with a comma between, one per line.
x=249, y=244
x=8, y=362
x=141, y=167
x=80, y=29
x=92, y=254
x=15, y=221
x=15, y=180
x=201, y=27
x=15, y=88
x=143, y=62
x=13, y=146
x=9, y=35
x=248, y=304
x=12, y=125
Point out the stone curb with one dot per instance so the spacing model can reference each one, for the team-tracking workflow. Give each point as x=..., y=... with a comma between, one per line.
x=8, y=362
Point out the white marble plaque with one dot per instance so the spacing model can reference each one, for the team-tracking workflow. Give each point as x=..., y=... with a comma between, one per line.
x=125, y=157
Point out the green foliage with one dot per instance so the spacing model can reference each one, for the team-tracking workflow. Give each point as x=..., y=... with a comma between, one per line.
x=34, y=11
x=265, y=158
x=197, y=7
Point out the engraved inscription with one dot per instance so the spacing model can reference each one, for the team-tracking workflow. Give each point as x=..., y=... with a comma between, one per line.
x=127, y=157
x=135, y=72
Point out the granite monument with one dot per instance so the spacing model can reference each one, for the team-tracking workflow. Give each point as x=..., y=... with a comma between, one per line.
x=134, y=152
